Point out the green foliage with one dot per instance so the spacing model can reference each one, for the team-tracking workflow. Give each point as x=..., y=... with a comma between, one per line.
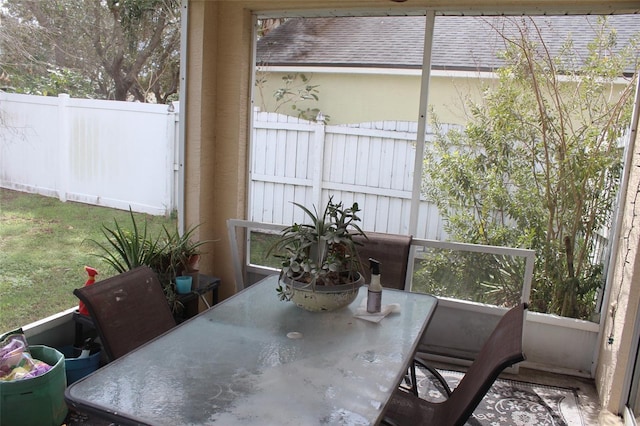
x=322, y=252
x=129, y=248
x=477, y=277
x=115, y=49
x=182, y=250
x=537, y=166
x=56, y=81
x=296, y=92
x=168, y=254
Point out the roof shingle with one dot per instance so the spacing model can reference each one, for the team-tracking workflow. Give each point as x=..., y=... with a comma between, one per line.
x=460, y=42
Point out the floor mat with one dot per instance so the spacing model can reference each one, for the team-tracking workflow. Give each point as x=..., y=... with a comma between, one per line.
x=511, y=402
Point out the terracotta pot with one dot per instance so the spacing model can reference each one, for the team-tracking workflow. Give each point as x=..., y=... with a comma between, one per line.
x=193, y=262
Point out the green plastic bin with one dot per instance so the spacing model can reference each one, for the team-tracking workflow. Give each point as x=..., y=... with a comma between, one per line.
x=38, y=401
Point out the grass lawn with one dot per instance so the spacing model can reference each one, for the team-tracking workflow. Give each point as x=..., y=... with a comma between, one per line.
x=43, y=250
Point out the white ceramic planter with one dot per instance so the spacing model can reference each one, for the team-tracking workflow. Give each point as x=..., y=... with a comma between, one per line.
x=322, y=298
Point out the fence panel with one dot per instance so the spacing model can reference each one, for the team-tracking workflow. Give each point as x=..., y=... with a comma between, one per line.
x=107, y=153
x=121, y=154
x=368, y=163
x=281, y=167
x=29, y=143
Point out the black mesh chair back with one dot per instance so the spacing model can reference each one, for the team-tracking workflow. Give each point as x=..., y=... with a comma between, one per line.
x=501, y=350
x=127, y=310
x=392, y=251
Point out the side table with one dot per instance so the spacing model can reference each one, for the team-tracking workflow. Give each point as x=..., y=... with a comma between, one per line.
x=206, y=284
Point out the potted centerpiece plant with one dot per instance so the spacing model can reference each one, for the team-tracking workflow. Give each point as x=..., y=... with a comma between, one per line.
x=321, y=270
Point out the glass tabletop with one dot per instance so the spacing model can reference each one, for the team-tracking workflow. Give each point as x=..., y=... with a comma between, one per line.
x=253, y=360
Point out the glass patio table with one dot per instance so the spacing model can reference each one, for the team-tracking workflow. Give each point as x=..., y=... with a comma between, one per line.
x=253, y=360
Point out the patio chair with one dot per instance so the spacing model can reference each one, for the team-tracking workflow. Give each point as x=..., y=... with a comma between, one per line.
x=127, y=310
x=503, y=349
x=392, y=251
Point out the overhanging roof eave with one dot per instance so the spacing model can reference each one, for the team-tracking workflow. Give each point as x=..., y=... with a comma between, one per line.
x=542, y=9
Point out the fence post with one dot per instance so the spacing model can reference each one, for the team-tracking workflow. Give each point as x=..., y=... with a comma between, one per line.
x=175, y=162
x=65, y=146
x=318, y=162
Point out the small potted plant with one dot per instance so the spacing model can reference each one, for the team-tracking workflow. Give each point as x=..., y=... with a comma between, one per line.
x=321, y=270
x=184, y=252
x=168, y=255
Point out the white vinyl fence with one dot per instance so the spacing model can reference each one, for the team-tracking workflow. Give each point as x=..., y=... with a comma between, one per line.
x=107, y=153
x=307, y=162
x=121, y=154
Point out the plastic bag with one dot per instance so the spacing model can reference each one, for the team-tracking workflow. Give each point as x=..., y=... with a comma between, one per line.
x=16, y=362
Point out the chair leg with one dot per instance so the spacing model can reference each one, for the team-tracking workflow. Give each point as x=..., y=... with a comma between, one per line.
x=414, y=381
x=410, y=380
x=435, y=374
